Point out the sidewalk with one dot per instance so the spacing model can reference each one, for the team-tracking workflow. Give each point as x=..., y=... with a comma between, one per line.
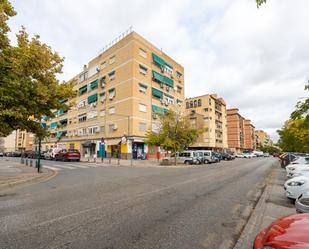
x=272, y=205
x=14, y=173
x=123, y=162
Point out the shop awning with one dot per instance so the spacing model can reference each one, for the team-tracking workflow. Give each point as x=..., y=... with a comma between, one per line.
x=157, y=93
x=113, y=141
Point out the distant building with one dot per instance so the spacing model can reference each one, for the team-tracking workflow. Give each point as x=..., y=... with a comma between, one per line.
x=235, y=130
x=24, y=140
x=262, y=139
x=208, y=112
x=249, y=133
x=7, y=144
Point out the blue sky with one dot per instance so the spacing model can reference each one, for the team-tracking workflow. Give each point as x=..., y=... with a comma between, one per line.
x=256, y=59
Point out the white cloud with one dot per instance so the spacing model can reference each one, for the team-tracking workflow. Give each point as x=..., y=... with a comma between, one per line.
x=256, y=59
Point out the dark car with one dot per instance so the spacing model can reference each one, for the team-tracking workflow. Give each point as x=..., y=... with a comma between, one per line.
x=290, y=232
x=217, y=156
x=68, y=155
x=226, y=156
x=16, y=154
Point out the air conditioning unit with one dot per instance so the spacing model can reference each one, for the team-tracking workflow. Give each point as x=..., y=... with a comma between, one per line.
x=115, y=127
x=167, y=88
x=103, y=84
x=162, y=69
x=162, y=101
x=94, y=104
x=98, y=69
x=161, y=85
x=154, y=116
x=103, y=100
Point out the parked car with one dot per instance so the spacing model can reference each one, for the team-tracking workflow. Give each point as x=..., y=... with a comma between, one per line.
x=51, y=153
x=1, y=154
x=248, y=155
x=68, y=155
x=265, y=154
x=296, y=186
x=290, y=232
x=186, y=157
x=239, y=155
x=301, y=160
x=226, y=156
x=286, y=159
x=16, y=154
x=302, y=203
x=291, y=168
x=208, y=156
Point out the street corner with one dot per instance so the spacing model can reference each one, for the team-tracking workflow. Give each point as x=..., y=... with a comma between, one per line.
x=13, y=174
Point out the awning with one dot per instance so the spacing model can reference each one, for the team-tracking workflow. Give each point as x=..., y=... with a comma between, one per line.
x=158, y=60
x=59, y=134
x=94, y=84
x=113, y=141
x=143, y=67
x=61, y=111
x=157, y=109
x=163, y=79
x=88, y=143
x=92, y=98
x=169, y=96
x=83, y=89
x=53, y=125
x=157, y=93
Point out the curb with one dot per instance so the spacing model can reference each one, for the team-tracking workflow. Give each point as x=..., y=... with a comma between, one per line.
x=255, y=220
x=31, y=180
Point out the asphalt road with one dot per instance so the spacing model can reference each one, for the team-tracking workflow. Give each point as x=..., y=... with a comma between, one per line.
x=141, y=207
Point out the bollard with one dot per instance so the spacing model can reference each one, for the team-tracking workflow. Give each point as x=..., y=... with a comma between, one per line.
x=31, y=163
x=27, y=161
x=109, y=160
x=22, y=160
x=118, y=161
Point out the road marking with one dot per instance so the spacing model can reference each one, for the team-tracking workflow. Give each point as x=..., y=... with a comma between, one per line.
x=78, y=166
x=63, y=166
x=50, y=167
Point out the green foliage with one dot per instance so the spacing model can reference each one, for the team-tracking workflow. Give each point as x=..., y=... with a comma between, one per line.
x=29, y=88
x=270, y=149
x=175, y=133
x=294, y=137
x=260, y=2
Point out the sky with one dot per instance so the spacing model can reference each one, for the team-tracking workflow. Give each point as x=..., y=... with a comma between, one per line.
x=255, y=59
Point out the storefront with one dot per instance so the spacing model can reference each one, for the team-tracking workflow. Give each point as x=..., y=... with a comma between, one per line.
x=88, y=149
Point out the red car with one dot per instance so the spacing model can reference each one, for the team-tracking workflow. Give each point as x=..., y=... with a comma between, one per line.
x=290, y=232
x=68, y=155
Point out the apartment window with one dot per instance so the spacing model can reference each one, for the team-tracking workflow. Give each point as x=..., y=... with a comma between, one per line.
x=206, y=109
x=142, y=88
x=195, y=103
x=112, y=93
x=179, y=88
x=102, y=113
x=187, y=105
x=206, y=140
x=102, y=128
x=168, y=69
x=92, y=114
x=199, y=102
x=142, y=53
x=93, y=70
x=111, y=110
x=93, y=130
x=209, y=101
x=112, y=59
x=111, y=75
x=168, y=99
x=142, y=126
x=83, y=77
x=82, y=131
x=142, y=108
x=191, y=104
x=178, y=75
x=82, y=117
x=143, y=70
x=206, y=119
x=111, y=127
x=103, y=64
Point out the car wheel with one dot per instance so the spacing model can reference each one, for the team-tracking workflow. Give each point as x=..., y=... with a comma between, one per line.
x=187, y=163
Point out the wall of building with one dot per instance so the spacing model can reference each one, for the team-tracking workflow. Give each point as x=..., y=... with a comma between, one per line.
x=7, y=144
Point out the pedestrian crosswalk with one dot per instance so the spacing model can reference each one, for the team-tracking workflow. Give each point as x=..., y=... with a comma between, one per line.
x=70, y=166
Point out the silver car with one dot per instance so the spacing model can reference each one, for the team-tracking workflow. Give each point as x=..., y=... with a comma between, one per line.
x=185, y=157
x=302, y=203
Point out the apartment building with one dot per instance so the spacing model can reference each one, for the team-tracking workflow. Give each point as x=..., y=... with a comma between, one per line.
x=121, y=94
x=24, y=140
x=250, y=140
x=208, y=112
x=7, y=144
x=262, y=139
x=235, y=130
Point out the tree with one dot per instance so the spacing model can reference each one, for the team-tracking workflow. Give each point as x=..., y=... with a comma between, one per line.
x=302, y=111
x=29, y=88
x=260, y=2
x=175, y=133
x=270, y=149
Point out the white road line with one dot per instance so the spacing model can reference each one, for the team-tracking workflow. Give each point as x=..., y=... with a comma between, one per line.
x=78, y=166
x=50, y=167
x=63, y=166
